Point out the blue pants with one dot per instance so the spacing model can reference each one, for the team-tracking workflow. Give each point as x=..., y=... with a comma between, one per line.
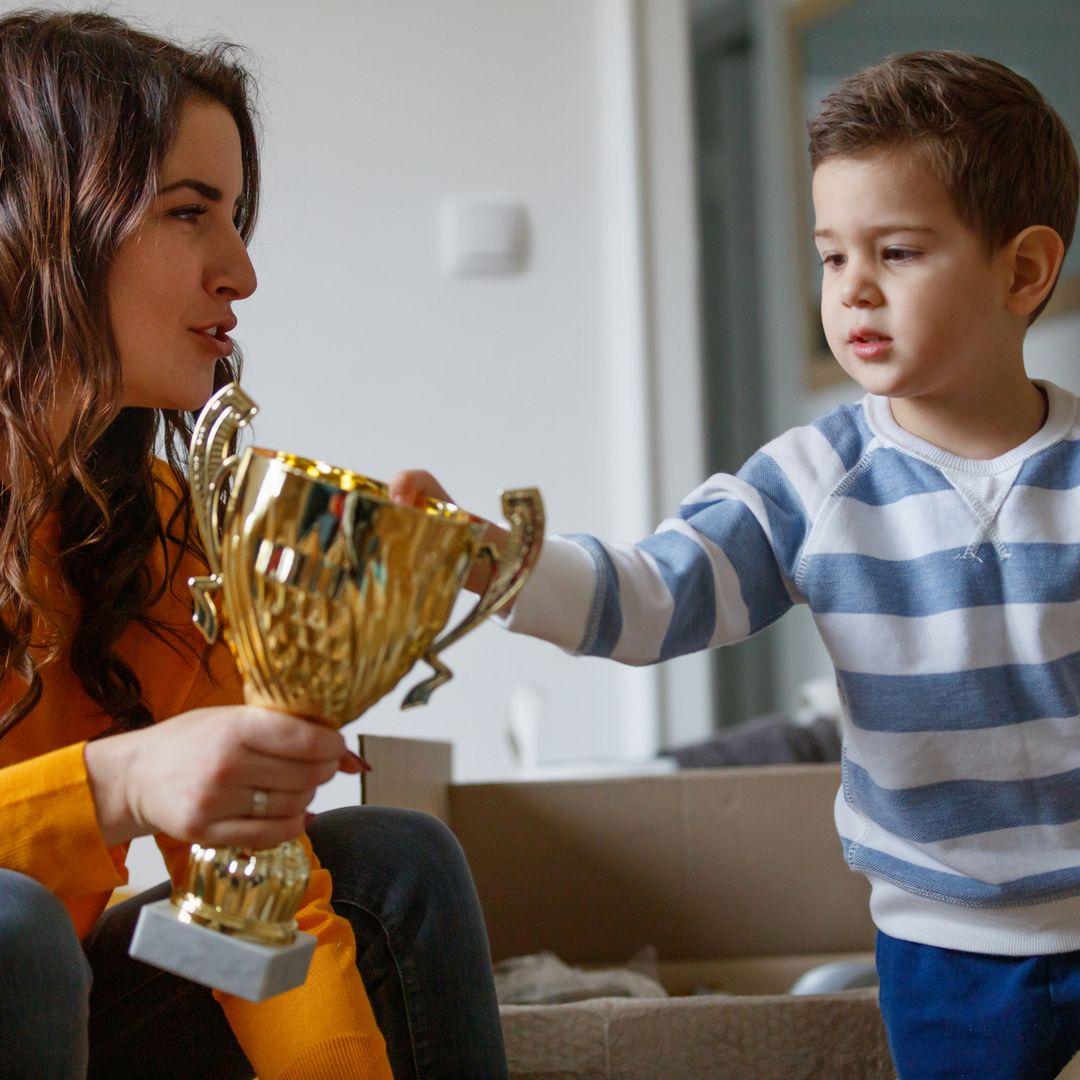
x=967, y=1016
x=70, y=1010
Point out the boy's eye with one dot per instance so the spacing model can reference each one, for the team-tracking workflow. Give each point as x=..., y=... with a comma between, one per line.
x=832, y=259
x=899, y=254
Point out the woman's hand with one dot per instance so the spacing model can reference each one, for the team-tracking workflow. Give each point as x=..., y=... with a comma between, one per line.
x=195, y=776
x=413, y=487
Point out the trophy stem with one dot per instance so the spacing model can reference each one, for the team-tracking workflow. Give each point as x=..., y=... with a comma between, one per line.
x=229, y=923
x=250, y=894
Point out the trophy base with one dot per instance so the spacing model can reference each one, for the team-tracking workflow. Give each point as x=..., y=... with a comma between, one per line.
x=218, y=960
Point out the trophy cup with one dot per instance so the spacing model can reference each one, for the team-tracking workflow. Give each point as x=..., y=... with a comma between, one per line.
x=329, y=593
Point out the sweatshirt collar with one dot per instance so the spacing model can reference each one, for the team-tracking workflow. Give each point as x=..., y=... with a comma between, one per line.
x=1060, y=417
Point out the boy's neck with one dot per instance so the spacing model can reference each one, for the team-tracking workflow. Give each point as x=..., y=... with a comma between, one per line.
x=981, y=425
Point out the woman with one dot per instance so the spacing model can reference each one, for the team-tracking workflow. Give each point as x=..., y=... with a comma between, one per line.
x=128, y=191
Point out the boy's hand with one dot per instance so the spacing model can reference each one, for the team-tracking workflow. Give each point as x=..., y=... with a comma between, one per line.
x=412, y=487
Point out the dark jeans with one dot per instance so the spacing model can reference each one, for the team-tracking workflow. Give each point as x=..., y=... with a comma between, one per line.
x=399, y=877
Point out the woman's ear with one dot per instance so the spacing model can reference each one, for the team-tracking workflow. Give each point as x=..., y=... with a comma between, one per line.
x=1034, y=256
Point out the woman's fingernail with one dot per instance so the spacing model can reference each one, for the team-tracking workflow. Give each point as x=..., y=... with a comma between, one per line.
x=361, y=762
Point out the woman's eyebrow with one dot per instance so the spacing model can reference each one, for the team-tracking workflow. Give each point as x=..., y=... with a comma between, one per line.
x=207, y=191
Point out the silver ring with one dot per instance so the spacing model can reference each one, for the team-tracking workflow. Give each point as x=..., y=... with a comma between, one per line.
x=260, y=800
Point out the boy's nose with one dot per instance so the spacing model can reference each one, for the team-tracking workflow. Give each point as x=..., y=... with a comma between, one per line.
x=860, y=290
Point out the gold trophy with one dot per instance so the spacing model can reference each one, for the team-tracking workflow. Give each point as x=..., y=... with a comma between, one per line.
x=329, y=594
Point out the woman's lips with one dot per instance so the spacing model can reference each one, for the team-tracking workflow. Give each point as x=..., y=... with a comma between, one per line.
x=219, y=343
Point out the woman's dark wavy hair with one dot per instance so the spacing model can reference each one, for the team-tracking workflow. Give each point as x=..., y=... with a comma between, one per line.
x=89, y=107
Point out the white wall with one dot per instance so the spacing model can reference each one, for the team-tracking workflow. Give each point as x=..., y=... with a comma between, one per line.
x=361, y=351
x=364, y=353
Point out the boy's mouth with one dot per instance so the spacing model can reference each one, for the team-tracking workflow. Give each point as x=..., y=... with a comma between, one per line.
x=868, y=344
x=861, y=334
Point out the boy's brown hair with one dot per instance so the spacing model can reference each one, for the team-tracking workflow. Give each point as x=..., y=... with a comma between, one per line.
x=1003, y=155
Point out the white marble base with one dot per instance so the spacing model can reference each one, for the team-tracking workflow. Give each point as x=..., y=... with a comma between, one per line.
x=219, y=960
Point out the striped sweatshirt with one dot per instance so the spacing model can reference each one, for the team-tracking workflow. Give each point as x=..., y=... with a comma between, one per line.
x=947, y=592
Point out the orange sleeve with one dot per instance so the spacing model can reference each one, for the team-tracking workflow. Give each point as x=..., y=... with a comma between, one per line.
x=49, y=829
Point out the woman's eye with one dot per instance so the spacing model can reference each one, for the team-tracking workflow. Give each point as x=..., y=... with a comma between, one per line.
x=187, y=213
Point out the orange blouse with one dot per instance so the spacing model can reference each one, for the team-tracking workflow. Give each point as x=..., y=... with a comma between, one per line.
x=323, y=1030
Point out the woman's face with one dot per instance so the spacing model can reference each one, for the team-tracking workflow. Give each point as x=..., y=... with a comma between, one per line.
x=173, y=283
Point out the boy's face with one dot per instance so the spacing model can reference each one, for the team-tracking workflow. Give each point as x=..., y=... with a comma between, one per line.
x=912, y=304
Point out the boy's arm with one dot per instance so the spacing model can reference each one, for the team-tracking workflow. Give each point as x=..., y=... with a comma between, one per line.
x=717, y=573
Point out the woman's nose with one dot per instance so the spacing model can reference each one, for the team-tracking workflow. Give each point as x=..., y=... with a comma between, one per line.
x=234, y=273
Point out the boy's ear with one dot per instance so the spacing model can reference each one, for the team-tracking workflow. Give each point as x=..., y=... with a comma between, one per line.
x=1034, y=259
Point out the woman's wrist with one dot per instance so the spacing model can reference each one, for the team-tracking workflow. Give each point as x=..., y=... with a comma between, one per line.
x=107, y=769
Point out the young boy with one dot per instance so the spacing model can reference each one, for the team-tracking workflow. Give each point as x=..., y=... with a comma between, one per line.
x=934, y=530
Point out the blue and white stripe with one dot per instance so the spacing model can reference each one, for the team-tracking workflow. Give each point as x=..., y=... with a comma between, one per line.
x=948, y=595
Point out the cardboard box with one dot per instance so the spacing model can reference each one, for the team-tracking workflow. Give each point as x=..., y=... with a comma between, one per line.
x=734, y=876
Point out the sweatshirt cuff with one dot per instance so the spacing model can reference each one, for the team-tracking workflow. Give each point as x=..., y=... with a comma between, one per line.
x=554, y=604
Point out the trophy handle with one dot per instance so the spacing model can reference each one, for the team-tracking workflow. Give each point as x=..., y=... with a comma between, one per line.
x=205, y=615
x=524, y=509
x=222, y=417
